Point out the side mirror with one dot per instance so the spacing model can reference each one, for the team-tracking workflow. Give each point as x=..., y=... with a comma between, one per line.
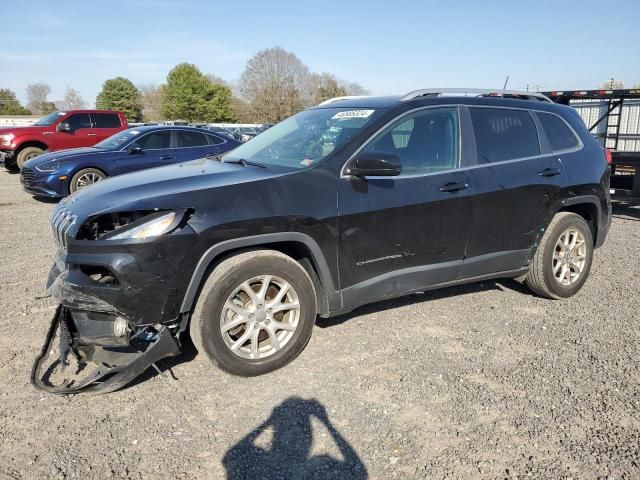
x=135, y=150
x=64, y=127
x=375, y=164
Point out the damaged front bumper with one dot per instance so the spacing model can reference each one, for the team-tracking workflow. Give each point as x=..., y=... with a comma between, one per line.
x=103, y=356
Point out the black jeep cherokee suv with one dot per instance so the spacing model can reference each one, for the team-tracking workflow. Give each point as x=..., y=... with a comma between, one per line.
x=354, y=201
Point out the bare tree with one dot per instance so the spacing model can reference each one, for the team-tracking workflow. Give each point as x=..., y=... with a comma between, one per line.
x=353, y=88
x=37, y=94
x=151, y=98
x=275, y=85
x=217, y=80
x=73, y=100
x=613, y=84
x=326, y=86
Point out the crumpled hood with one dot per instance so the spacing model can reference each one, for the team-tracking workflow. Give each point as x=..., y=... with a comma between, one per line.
x=63, y=155
x=159, y=187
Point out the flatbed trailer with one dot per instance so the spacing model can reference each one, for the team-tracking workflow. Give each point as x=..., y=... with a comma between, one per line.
x=613, y=117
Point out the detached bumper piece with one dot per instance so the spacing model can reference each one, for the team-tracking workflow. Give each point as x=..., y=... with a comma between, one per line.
x=98, y=360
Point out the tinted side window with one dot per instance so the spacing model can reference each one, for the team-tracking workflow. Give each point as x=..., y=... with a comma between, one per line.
x=106, y=120
x=191, y=139
x=79, y=120
x=559, y=134
x=214, y=140
x=155, y=140
x=503, y=134
x=425, y=141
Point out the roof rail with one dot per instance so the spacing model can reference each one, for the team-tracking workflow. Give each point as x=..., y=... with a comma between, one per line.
x=345, y=97
x=481, y=92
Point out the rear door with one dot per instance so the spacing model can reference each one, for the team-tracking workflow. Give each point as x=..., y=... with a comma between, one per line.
x=517, y=182
x=156, y=151
x=105, y=125
x=191, y=145
x=403, y=233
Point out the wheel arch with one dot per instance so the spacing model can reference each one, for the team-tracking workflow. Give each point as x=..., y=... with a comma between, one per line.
x=31, y=143
x=298, y=246
x=588, y=207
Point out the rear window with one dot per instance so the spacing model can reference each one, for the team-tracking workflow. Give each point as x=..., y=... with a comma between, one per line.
x=504, y=134
x=106, y=120
x=560, y=136
x=191, y=139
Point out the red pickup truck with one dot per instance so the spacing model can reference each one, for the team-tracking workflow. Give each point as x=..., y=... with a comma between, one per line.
x=58, y=131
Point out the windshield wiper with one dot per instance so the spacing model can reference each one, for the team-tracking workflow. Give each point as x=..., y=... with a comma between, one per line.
x=245, y=163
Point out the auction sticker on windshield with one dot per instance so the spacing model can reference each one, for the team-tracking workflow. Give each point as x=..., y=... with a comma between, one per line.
x=352, y=114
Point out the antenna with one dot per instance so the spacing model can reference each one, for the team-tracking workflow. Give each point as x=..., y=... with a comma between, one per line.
x=505, y=83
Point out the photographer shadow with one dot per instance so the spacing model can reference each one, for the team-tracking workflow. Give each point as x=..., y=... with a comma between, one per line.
x=289, y=453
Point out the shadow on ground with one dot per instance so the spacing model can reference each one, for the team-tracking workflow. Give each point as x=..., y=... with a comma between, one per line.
x=442, y=293
x=626, y=211
x=289, y=451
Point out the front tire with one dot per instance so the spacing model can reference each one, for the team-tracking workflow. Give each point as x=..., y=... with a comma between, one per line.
x=255, y=313
x=27, y=154
x=86, y=177
x=562, y=262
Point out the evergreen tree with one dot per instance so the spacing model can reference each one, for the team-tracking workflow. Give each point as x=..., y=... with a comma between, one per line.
x=121, y=95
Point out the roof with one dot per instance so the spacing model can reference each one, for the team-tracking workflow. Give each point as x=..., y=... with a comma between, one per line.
x=148, y=128
x=433, y=94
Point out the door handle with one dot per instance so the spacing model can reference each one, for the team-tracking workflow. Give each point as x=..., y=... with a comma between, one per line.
x=91, y=134
x=549, y=172
x=167, y=157
x=454, y=187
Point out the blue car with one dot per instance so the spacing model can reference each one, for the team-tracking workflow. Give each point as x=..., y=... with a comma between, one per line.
x=57, y=174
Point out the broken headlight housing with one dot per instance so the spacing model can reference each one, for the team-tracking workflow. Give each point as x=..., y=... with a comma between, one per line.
x=150, y=228
x=134, y=225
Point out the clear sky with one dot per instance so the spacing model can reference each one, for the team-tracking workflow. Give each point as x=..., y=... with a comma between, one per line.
x=386, y=46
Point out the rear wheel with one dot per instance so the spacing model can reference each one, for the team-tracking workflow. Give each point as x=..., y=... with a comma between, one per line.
x=562, y=262
x=255, y=313
x=86, y=177
x=27, y=154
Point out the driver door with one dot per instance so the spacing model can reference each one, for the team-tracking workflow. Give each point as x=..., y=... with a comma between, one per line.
x=80, y=134
x=403, y=233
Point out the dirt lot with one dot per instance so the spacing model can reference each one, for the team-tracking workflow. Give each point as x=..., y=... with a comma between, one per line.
x=482, y=381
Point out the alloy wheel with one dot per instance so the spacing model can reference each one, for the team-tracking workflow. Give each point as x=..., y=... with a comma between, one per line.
x=260, y=317
x=569, y=257
x=87, y=179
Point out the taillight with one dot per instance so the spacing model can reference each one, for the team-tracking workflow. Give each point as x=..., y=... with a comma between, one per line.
x=608, y=157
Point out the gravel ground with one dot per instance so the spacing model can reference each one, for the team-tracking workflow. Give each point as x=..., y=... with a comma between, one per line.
x=480, y=381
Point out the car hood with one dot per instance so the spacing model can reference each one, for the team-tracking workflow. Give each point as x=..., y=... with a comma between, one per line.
x=181, y=185
x=63, y=155
x=23, y=129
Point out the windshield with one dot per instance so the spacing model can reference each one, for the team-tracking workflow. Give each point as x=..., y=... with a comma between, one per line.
x=117, y=140
x=303, y=139
x=49, y=119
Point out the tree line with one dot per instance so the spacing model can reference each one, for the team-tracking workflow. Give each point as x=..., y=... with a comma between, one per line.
x=274, y=85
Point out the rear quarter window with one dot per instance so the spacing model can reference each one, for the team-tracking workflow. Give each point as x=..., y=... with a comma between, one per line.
x=214, y=140
x=504, y=134
x=560, y=136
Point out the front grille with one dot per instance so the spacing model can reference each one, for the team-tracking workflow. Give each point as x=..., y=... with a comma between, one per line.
x=26, y=176
x=61, y=221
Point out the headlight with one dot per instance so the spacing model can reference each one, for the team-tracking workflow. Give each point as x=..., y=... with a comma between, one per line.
x=151, y=228
x=49, y=166
x=6, y=139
